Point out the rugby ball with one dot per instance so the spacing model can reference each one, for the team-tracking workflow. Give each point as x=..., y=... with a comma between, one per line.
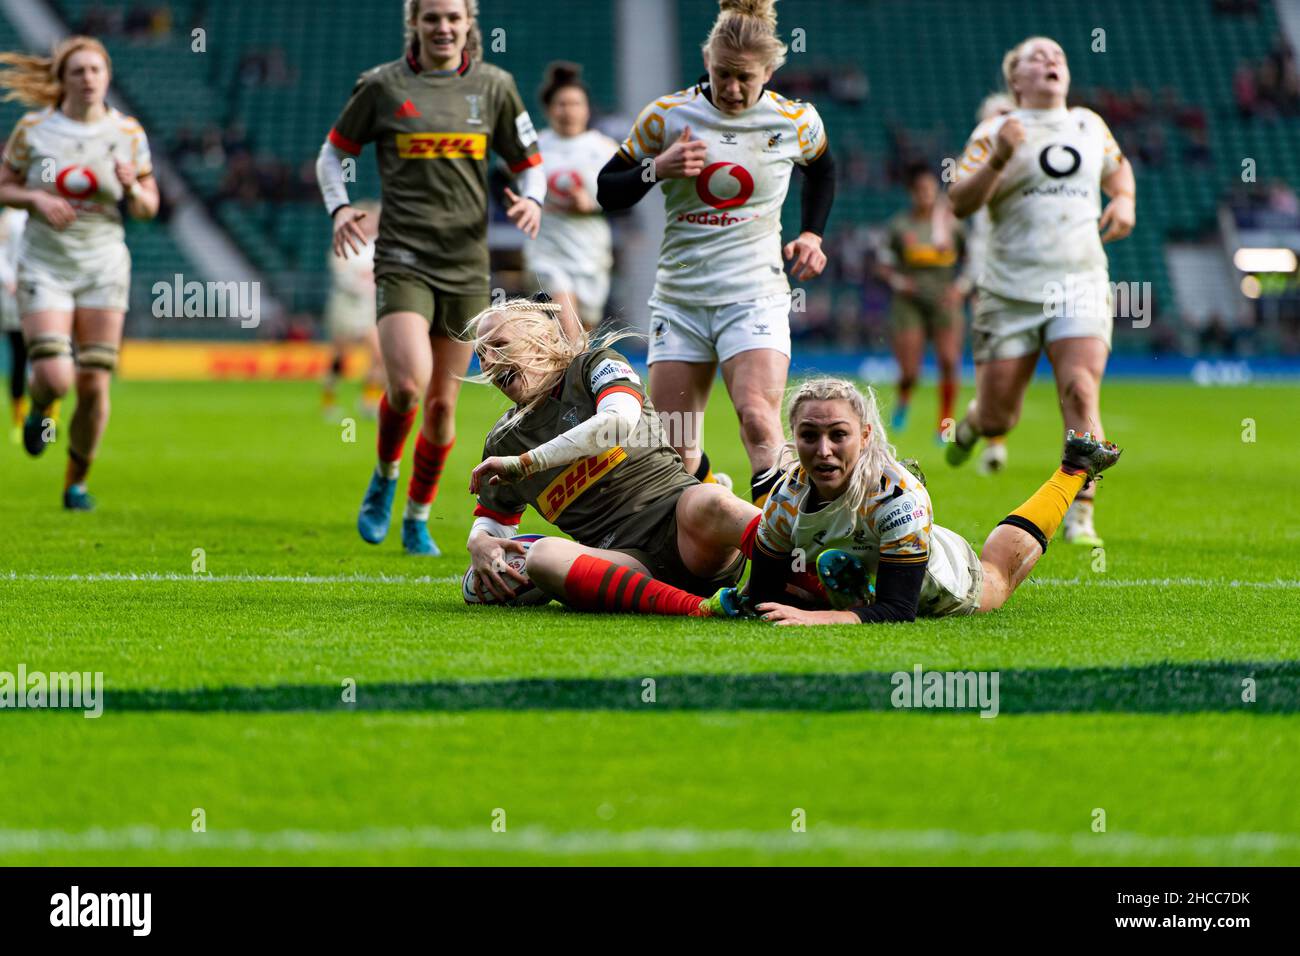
x=525, y=595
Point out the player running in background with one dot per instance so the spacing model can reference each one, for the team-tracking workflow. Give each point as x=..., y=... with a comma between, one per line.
x=993, y=457
x=70, y=164
x=350, y=318
x=432, y=115
x=919, y=263
x=848, y=511
x=12, y=222
x=583, y=445
x=724, y=150
x=573, y=252
x=1041, y=170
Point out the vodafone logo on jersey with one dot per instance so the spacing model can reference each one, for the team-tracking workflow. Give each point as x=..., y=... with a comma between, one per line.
x=725, y=185
x=564, y=182
x=76, y=182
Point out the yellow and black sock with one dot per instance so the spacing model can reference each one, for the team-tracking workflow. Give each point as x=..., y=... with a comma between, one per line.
x=1043, y=513
x=761, y=485
x=704, y=471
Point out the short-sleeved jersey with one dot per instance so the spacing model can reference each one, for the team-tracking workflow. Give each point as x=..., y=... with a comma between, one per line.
x=914, y=251
x=896, y=523
x=433, y=131
x=722, y=240
x=1046, y=204
x=593, y=498
x=75, y=160
x=579, y=241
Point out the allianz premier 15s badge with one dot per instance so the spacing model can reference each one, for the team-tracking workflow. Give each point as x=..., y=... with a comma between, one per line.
x=474, y=115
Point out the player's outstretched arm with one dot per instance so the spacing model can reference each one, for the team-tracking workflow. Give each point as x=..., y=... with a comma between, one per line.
x=617, y=414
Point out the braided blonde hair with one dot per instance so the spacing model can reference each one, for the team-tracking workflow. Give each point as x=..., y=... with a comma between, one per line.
x=864, y=479
x=745, y=26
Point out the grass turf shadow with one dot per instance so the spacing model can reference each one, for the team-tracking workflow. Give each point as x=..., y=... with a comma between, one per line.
x=1155, y=688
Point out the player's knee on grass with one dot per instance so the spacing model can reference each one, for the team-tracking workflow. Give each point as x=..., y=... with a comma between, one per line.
x=547, y=563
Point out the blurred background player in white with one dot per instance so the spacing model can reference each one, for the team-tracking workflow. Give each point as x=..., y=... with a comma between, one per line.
x=1045, y=283
x=573, y=252
x=919, y=262
x=433, y=114
x=350, y=319
x=74, y=270
x=12, y=222
x=724, y=150
x=993, y=456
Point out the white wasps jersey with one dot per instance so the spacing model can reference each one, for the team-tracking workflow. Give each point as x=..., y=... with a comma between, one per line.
x=1046, y=204
x=896, y=524
x=76, y=160
x=352, y=286
x=722, y=241
x=580, y=242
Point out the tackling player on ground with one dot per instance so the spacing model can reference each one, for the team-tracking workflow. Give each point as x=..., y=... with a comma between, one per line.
x=433, y=115
x=725, y=150
x=584, y=446
x=573, y=252
x=1045, y=283
x=848, y=511
x=70, y=164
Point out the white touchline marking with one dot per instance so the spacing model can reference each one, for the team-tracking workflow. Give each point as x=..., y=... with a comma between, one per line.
x=1099, y=582
x=148, y=576
x=1088, y=582
x=540, y=840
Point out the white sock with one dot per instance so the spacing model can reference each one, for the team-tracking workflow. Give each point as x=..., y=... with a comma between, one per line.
x=389, y=469
x=417, y=511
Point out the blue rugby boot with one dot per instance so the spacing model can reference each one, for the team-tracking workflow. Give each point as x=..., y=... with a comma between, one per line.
x=377, y=508
x=34, y=431
x=416, y=540
x=77, y=498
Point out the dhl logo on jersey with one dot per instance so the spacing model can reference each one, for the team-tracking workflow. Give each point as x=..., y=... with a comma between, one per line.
x=441, y=145
x=574, y=480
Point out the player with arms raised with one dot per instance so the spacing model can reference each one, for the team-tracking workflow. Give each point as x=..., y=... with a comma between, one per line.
x=69, y=165
x=432, y=115
x=724, y=150
x=584, y=447
x=573, y=252
x=1041, y=170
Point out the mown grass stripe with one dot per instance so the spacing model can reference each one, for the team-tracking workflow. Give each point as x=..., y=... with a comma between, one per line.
x=1155, y=688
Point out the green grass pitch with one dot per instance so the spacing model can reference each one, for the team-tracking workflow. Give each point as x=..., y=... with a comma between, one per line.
x=1122, y=672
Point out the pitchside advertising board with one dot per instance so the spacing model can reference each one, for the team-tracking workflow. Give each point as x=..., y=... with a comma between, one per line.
x=175, y=905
